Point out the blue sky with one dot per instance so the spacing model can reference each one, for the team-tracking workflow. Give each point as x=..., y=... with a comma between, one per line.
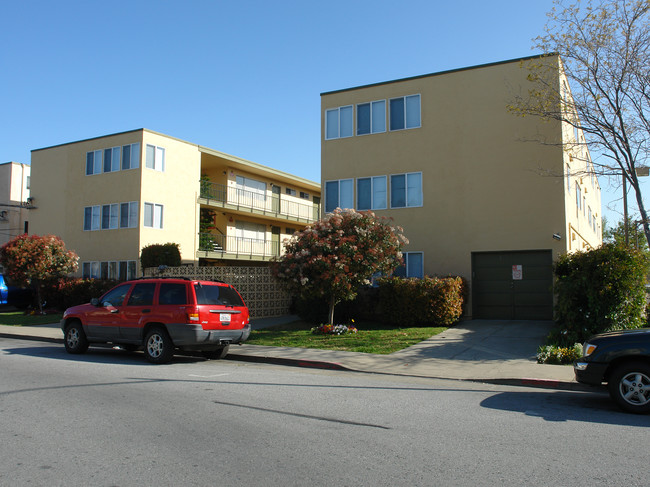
x=243, y=77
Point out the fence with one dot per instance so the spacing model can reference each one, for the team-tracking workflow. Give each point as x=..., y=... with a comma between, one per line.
x=264, y=296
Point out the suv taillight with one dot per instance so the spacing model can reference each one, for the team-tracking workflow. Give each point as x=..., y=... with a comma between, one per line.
x=192, y=315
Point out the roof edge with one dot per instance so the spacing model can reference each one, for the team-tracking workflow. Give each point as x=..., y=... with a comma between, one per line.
x=439, y=73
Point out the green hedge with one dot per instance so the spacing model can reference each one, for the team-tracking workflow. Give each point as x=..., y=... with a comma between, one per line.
x=155, y=255
x=74, y=291
x=599, y=290
x=431, y=300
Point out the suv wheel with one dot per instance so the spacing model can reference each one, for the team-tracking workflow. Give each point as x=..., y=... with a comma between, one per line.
x=75, y=340
x=629, y=387
x=158, y=347
x=217, y=354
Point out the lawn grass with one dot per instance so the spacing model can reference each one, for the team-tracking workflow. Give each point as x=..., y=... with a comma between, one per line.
x=19, y=318
x=371, y=337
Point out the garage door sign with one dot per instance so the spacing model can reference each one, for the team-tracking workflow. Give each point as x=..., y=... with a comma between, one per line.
x=517, y=272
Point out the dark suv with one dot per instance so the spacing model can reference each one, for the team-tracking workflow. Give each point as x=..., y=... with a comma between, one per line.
x=622, y=359
x=161, y=315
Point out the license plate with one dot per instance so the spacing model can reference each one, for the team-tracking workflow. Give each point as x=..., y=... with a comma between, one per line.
x=224, y=317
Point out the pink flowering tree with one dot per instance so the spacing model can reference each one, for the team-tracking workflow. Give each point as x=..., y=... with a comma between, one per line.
x=33, y=261
x=336, y=255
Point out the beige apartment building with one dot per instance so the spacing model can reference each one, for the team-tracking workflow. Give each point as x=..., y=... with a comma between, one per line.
x=110, y=196
x=15, y=203
x=477, y=193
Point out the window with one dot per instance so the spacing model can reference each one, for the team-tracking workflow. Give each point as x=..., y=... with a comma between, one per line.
x=578, y=197
x=371, y=117
x=568, y=178
x=413, y=265
x=405, y=112
x=338, y=122
x=371, y=193
x=92, y=218
x=155, y=158
x=217, y=295
x=290, y=192
x=131, y=156
x=116, y=296
x=129, y=215
x=339, y=194
x=406, y=190
x=93, y=162
x=172, y=293
x=112, y=159
x=153, y=215
x=142, y=294
x=27, y=182
x=127, y=270
x=109, y=216
x=250, y=230
x=290, y=231
x=304, y=196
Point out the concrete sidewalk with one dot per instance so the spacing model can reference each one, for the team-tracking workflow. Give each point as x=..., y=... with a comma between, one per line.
x=489, y=351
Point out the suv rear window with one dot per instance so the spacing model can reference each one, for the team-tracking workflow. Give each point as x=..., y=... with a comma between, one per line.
x=214, y=294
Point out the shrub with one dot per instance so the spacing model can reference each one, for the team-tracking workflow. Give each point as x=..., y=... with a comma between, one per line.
x=155, y=255
x=599, y=290
x=430, y=300
x=74, y=291
x=552, y=354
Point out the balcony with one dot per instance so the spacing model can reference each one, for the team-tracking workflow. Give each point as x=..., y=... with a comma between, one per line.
x=213, y=246
x=275, y=206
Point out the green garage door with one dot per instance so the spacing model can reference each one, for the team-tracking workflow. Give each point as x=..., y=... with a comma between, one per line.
x=512, y=285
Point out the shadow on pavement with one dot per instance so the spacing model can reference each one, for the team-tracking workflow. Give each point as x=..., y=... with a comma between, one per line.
x=563, y=406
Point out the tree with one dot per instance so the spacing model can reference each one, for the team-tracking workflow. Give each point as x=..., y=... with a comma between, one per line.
x=335, y=256
x=604, y=48
x=33, y=261
x=616, y=235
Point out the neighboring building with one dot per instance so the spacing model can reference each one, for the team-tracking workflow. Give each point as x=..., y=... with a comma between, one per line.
x=108, y=197
x=14, y=200
x=476, y=192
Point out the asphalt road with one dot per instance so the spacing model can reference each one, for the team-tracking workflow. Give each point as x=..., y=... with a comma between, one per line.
x=109, y=418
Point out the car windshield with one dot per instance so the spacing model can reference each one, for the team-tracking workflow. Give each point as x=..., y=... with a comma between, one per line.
x=214, y=294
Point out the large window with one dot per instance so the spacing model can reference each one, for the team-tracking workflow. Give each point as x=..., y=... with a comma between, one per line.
x=339, y=194
x=110, y=216
x=93, y=162
x=129, y=215
x=371, y=193
x=406, y=190
x=338, y=122
x=153, y=215
x=371, y=117
x=405, y=112
x=122, y=270
x=155, y=158
x=92, y=218
x=413, y=265
x=131, y=156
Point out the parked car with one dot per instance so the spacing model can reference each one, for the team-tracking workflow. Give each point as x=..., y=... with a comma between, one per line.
x=14, y=295
x=161, y=315
x=622, y=360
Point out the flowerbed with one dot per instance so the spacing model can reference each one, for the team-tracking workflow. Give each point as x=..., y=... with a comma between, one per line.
x=333, y=330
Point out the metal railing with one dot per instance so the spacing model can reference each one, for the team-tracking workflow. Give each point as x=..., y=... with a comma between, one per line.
x=277, y=205
x=238, y=246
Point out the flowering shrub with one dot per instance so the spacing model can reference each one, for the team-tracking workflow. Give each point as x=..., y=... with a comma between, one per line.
x=552, y=354
x=35, y=261
x=336, y=255
x=333, y=330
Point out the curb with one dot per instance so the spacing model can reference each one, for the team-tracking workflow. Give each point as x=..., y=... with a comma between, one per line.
x=324, y=365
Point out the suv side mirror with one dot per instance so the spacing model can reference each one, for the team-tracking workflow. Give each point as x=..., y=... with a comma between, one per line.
x=94, y=302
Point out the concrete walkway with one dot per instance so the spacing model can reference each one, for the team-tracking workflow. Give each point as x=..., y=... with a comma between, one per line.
x=490, y=351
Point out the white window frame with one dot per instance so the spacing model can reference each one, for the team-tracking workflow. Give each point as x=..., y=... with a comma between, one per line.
x=373, y=204
x=113, y=216
x=406, y=190
x=157, y=160
x=338, y=200
x=132, y=214
x=98, y=162
x=95, y=218
x=339, y=118
x=406, y=256
x=156, y=214
x=133, y=163
x=373, y=107
x=405, y=115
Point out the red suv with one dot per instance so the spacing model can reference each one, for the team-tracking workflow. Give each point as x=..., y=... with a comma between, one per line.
x=161, y=315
